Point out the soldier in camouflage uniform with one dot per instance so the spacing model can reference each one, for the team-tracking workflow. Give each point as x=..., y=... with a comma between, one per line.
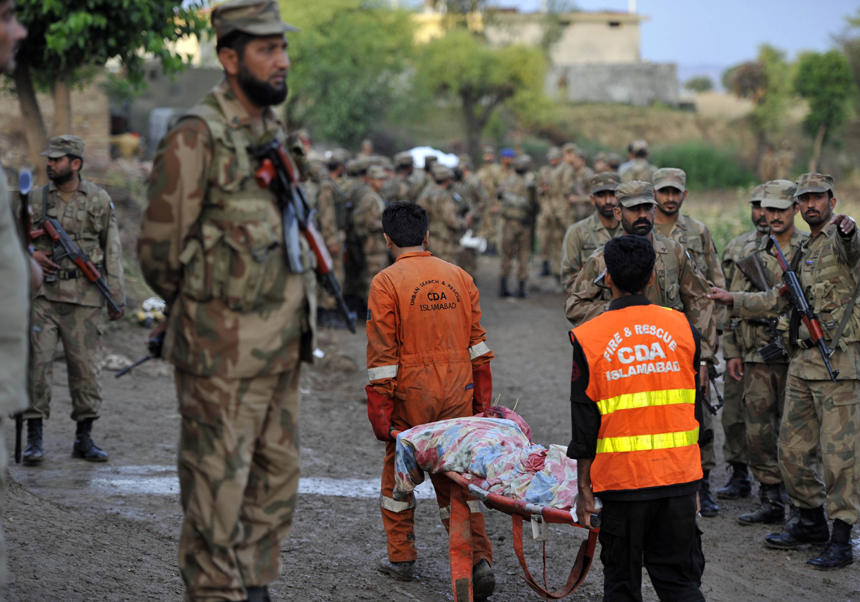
x=446, y=226
x=638, y=168
x=586, y=236
x=67, y=306
x=549, y=232
x=367, y=220
x=821, y=417
x=767, y=169
x=212, y=245
x=331, y=221
x=732, y=417
x=519, y=205
x=763, y=383
x=474, y=201
x=490, y=174
x=404, y=170
x=784, y=161
x=670, y=192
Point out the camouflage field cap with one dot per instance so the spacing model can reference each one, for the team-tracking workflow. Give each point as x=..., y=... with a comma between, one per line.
x=636, y=192
x=465, y=162
x=254, y=17
x=523, y=162
x=570, y=147
x=60, y=146
x=553, y=153
x=778, y=194
x=638, y=146
x=607, y=180
x=670, y=176
x=376, y=172
x=404, y=159
x=339, y=155
x=489, y=150
x=757, y=194
x=614, y=160
x=601, y=156
x=441, y=172
x=814, y=182
x=356, y=167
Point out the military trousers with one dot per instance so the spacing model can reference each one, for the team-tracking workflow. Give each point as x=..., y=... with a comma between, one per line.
x=821, y=417
x=324, y=300
x=732, y=419
x=238, y=478
x=551, y=238
x=80, y=329
x=764, y=401
x=516, y=243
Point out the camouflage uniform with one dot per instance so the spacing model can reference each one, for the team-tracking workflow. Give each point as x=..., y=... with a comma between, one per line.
x=211, y=245
x=640, y=170
x=581, y=207
x=549, y=231
x=331, y=220
x=518, y=220
x=70, y=307
x=446, y=227
x=367, y=221
x=491, y=176
x=820, y=416
x=767, y=167
x=474, y=199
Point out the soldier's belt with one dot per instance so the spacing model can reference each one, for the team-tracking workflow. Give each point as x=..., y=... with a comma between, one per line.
x=71, y=274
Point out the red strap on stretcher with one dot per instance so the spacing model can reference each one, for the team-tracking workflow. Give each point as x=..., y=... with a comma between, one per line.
x=584, y=558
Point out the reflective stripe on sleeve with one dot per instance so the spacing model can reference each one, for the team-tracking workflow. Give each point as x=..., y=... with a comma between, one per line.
x=478, y=350
x=647, y=442
x=394, y=506
x=646, y=399
x=474, y=508
x=382, y=372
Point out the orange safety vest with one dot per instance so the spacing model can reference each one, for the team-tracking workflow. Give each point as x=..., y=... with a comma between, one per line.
x=641, y=375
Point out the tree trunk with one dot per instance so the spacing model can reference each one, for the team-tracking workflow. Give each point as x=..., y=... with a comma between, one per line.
x=816, y=148
x=34, y=125
x=63, y=105
x=473, y=125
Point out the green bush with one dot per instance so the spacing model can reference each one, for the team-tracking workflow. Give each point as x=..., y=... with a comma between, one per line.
x=707, y=167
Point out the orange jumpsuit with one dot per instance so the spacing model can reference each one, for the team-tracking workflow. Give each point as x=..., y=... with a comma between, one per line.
x=424, y=336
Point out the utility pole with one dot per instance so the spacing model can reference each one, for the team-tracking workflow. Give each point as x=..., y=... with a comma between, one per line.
x=631, y=7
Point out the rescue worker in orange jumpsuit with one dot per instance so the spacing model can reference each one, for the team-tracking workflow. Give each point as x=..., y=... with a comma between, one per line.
x=635, y=409
x=427, y=360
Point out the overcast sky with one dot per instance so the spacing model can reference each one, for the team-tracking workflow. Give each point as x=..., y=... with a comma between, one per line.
x=725, y=32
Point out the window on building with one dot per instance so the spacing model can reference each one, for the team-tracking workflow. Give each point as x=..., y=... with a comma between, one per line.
x=615, y=24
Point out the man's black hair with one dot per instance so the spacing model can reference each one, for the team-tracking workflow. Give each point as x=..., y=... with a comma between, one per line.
x=237, y=40
x=405, y=223
x=630, y=262
x=641, y=154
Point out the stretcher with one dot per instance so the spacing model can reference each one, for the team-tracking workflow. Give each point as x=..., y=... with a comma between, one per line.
x=460, y=538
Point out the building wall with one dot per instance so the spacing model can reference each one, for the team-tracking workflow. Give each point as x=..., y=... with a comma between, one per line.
x=605, y=40
x=639, y=84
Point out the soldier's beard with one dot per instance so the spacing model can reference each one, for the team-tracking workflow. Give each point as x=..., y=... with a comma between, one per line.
x=607, y=211
x=762, y=227
x=60, y=178
x=641, y=227
x=262, y=94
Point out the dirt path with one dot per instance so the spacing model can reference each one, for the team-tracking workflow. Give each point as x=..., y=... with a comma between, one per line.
x=82, y=532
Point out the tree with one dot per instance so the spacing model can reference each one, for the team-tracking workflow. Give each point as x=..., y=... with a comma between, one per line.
x=349, y=65
x=701, y=83
x=481, y=78
x=826, y=82
x=67, y=37
x=849, y=42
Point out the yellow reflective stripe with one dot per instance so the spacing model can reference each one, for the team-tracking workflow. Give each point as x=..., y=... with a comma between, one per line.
x=646, y=399
x=647, y=442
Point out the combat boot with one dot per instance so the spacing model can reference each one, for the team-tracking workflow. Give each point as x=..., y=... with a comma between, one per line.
x=838, y=552
x=402, y=571
x=771, y=510
x=504, y=291
x=33, y=454
x=523, y=291
x=545, y=269
x=258, y=594
x=706, y=501
x=739, y=484
x=84, y=446
x=811, y=528
x=483, y=580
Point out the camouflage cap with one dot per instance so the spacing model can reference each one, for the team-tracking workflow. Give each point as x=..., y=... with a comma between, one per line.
x=601, y=156
x=570, y=147
x=670, y=176
x=60, y=146
x=404, y=159
x=489, y=150
x=523, y=162
x=814, y=182
x=254, y=17
x=635, y=192
x=638, y=145
x=356, y=167
x=441, y=172
x=778, y=194
x=608, y=180
x=376, y=172
x=465, y=162
x=757, y=193
x=553, y=153
x=614, y=160
x=338, y=155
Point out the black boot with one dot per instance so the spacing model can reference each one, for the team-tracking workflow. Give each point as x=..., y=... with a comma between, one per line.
x=739, y=485
x=811, y=528
x=84, y=446
x=33, y=454
x=706, y=501
x=545, y=270
x=771, y=510
x=483, y=580
x=523, y=292
x=258, y=594
x=504, y=291
x=838, y=552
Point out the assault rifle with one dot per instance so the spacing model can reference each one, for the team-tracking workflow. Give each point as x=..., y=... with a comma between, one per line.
x=750, y=266
x=154, y=347
x=276, y=173
x=791, y=287
x=712, y=376
x=64, y=246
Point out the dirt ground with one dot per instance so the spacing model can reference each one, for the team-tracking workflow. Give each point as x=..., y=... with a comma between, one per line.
x=82, y=532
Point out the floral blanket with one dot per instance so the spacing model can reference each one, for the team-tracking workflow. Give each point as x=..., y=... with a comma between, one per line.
x=494, y=451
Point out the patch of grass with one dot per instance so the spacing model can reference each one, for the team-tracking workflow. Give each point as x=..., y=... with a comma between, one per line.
x=707, y=167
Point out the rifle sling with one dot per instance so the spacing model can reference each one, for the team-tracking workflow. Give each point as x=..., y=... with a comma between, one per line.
x=794, y=319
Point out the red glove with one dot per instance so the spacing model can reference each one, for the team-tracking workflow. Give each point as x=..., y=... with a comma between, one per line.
x=379, y=409
x=482, y=395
